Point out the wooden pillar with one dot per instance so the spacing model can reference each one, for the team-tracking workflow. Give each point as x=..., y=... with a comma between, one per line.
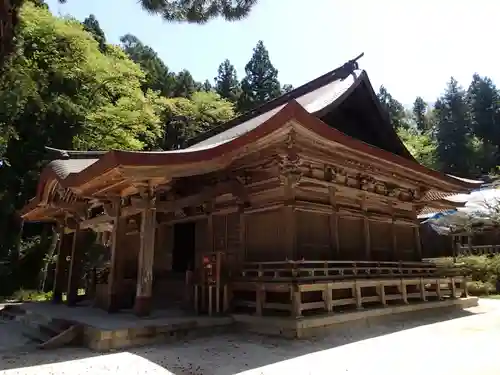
x=143, y=295
x=334, y=225
x=115, y=272
x=290, y=182
x=418, y=244
x=393, y=234
x=75, y=266
x=469, y=243
x=243, y=238
x=64, y=248
x=366, y=231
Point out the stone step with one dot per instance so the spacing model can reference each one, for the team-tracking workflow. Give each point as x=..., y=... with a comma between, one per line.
x=11, y=312
x=35, y=335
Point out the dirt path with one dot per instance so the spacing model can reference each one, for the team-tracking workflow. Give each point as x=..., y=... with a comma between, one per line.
x=454, y=345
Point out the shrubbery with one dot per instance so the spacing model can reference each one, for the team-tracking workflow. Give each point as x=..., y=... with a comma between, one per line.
x=483, y=270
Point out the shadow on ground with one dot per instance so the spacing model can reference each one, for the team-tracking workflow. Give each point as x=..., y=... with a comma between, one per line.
x=237, y=352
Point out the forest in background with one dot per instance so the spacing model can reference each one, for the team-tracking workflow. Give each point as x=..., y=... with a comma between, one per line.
x=68, y=88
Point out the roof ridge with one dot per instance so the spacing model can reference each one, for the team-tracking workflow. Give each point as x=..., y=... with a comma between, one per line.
x=338, y=73
x=72, y=154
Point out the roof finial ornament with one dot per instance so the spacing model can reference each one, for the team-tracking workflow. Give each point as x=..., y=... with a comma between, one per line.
x=62, y=154
x=348, y=68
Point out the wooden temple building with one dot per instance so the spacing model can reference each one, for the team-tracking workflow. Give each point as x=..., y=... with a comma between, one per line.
x=303, y=205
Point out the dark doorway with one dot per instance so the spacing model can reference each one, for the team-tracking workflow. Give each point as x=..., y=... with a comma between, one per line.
x=183, y=252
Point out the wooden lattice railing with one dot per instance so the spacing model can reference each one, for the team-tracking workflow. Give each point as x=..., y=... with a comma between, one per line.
x=465, y=250
x=331, y=270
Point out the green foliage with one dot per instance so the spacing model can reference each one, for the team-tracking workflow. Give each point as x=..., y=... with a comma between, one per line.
x=184, y=118
x=91, y=25
x=261, y=81
x=453, y=131
x=31, y=296
x=419, y=112
x=396, y=110
x=158, y=77
x=421, y=145
x=200, y=11
x=226, y=82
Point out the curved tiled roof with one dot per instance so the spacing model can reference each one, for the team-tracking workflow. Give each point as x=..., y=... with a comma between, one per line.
x=63, y=168
x=312, y=101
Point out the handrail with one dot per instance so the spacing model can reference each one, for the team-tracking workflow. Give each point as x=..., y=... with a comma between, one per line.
x=477, y=249
x=321, y=270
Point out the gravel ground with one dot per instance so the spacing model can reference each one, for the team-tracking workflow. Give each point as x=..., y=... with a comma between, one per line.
x=454, y=343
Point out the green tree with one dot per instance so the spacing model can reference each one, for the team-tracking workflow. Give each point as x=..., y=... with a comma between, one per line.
x=261, y=81
x=200, y=11
x=91, y=25
x=421, y=145
x=61, y=90
x=420, y=114
x=184, y=118
x=207, y=86
x=158, y=76
x=454, y=143
x=395, y=109
x=185, y=85
x=226, y=82
x=484, y=104
x=286, y=88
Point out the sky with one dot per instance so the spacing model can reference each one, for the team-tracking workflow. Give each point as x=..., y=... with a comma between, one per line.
x=411, y=47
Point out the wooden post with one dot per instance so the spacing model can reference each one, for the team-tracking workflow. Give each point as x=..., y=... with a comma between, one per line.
x=423, y=294
x=75, y=267
x=243, y=248
x=404, y=292
x=60, y=272
x=334, y=225
x=327, y=297
x=465, y=292
x=418, y=244
x=366, y=231
x=469, y=243
x=393, y=234
x=114, y=278
x=381, y=293
x=259, y=298
x=143, y=295
x=453, y=288
x=358, y=296
x=296, y=301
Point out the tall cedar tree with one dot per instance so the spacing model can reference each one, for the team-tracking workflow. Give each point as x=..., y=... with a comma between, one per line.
x=158, y=76
x=453, y=131
x=226, y=82
x=185, y=85
x=286, y=88
x=261, y=81
x=484, y=103
x=394, y=108
x=419, y=112
x=91, y=25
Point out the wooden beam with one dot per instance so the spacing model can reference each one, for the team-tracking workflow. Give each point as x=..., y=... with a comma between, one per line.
x=77, y=209
x=89, y=223
x=107, y=188
x=230, y=187
x=130, y=211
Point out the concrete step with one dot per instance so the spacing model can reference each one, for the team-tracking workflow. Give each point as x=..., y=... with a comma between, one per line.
x=35, y=335
x=11, y=312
